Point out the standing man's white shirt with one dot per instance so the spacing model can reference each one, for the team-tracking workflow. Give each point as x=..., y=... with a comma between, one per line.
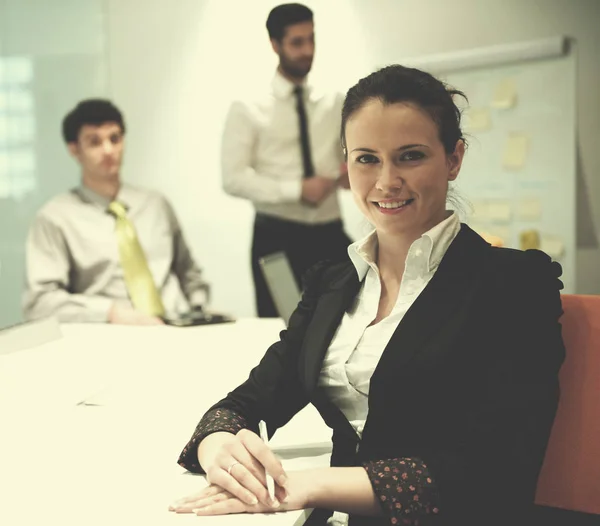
x=261, y=157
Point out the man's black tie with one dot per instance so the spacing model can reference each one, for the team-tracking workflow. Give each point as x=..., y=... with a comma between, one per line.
x=304, y=140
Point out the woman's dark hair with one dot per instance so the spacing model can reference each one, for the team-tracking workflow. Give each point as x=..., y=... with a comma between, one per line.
x=286, y=15
x=397, y=83
x=91, y=111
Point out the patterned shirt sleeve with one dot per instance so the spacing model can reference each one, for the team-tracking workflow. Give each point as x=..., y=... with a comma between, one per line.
x=213, y=421
x=404, y=488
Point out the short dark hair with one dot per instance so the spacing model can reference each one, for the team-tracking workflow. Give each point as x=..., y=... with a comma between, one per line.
x=396, y=83
x=286, y=15
x=90, y=111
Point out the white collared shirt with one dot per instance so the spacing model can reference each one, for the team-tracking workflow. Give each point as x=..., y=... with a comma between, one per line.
x=357, y=346
x=261, y=156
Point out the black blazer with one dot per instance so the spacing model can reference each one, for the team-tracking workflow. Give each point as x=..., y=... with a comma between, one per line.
x=468, y=382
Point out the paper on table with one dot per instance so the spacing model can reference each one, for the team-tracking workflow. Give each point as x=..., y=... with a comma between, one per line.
x=552, y=245
x=529, y=209
x=499, y=211
x=505, y=94
x=515, y=151
x=478, y=119
x=307, y=462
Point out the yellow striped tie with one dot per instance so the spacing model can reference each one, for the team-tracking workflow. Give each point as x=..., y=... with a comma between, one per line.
x=138, y=279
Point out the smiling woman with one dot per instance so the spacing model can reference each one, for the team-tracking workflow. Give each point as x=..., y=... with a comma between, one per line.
x=432, y=355
x=403, y=144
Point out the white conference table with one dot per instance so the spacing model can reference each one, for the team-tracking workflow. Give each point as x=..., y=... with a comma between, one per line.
x=92, y=423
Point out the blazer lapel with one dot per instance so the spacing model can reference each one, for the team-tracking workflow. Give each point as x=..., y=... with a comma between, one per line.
x=328, y=314
x=443, y=295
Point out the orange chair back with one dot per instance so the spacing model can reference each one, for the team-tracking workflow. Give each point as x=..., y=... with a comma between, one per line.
x=570, y=477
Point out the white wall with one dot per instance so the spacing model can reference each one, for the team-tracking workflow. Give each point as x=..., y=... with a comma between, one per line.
x=174, y=67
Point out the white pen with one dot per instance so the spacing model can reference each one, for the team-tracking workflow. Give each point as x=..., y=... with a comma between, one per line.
x=262, y=427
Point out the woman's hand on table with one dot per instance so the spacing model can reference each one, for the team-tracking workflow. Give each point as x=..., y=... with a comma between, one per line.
x=235, y=469
x=214, y=500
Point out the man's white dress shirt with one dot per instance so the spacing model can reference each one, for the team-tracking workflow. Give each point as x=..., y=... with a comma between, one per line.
x=261, y=155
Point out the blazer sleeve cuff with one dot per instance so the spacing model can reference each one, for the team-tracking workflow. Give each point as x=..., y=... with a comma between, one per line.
x=212, y=422
x=404, y=488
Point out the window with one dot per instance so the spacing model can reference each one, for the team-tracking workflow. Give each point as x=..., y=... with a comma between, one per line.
x=17, y=128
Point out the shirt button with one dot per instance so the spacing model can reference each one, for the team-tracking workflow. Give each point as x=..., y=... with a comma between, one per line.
x=418, y=252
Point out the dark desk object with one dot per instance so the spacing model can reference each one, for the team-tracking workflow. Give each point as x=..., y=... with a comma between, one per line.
x=196, y=317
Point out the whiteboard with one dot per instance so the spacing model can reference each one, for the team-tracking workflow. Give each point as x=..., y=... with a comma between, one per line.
x=519, y=173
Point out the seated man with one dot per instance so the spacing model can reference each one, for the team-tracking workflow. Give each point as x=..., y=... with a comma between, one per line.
x=107, y=251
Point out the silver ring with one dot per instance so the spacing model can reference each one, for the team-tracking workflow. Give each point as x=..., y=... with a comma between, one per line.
x=231, y=467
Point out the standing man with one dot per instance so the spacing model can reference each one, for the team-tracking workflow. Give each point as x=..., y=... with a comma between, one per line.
x=107, y=251
x=283, y=153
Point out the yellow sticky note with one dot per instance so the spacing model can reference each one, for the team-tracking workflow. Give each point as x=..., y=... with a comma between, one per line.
x=478, y=227
x=552, y=245
x=505, y=95
x=529, y=239
x=493, y=240
x=478, y=119
x=499, y=211
x=515, y=151
x=497, y=236
x=480, y=211
x=529, y=209
x=503, y=232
